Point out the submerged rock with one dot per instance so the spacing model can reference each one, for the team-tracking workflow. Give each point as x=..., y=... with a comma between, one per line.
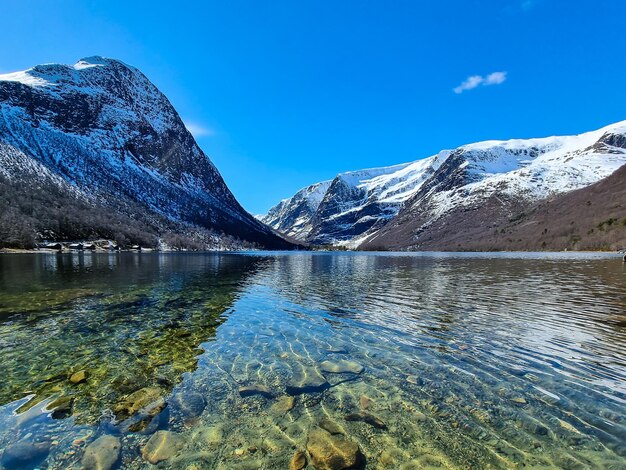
x=162, y=445
x=298, y=461
x=102, y=454
x=308, y=380
x=284, y=404
x=389, y=458
x=341, y=367
x=366, y=418
x=211, y=437
x=78, y=377
x=567, y=426
x=364, y=402
x=26, y=453
x=255, y=390
x=147, y=417
x=332, y=452
x=191, y=404
x=138, y=400
x=61, y=407
x=331, y=426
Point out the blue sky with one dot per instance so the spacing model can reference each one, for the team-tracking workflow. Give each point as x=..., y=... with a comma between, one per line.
x=282, y=94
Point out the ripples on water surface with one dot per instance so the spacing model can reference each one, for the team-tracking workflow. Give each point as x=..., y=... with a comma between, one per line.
x=424, y=361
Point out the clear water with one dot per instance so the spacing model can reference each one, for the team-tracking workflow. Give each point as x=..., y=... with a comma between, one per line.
x=469, y=361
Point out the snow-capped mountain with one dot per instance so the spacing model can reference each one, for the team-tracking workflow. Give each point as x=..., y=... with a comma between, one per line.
x=100, y=131
x=533, y=168
x=457, y=191
x=293, y=216
x=481, y=186
x=351, y=204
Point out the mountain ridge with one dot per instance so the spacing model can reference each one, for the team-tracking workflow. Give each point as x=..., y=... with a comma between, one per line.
x=507, y=175
x=102, y=131
x=352, y=203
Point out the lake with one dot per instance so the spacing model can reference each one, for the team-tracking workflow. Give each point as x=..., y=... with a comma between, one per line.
x=266, y=360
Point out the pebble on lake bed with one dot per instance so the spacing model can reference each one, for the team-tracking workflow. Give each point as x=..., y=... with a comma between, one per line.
x=142, y=398
x=333, y=452
x=61, y=407
x=284, y=404
x=331, y=427
x=102, y=454
x=367, y=418
x=341, y=367
x=365, y=402
x=162, y=445
x=251, y=390
x=307, y=380
x=78, y=377
x=191, y=404
x=298, y=461
x=212, y=437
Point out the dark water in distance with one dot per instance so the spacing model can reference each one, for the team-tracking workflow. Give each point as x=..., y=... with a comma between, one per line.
x=447, y=360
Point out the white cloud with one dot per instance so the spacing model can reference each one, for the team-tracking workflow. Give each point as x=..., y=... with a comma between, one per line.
x=473, y=81
x=495, y=78
x=469, y=83
x=198, y=130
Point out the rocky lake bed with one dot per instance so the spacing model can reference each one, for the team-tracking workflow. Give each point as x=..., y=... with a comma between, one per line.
x=312, y=361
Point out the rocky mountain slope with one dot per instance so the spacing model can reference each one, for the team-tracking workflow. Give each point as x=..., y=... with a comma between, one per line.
x=350, y=205
x=108, y=144
x=293, y=216
x=484, y=187
x=462, y=195
x=590, y=218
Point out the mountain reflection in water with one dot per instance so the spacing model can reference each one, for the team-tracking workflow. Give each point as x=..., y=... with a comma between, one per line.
x=129, y=321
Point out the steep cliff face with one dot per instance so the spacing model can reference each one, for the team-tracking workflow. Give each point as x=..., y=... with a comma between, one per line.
x=352, y=204
x=101, y=132
x=293, y=216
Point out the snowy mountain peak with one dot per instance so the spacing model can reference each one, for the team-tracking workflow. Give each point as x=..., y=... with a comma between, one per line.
x=352, y=203
x=292, y=216
x=96, y=60
x=500, y=178
x=52, y=74
x=103, y=127
x=358, y=203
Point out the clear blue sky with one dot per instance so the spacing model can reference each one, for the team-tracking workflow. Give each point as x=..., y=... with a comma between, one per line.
x=282, y=94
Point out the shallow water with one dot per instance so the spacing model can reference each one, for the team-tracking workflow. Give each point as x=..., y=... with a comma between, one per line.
x=451, y=360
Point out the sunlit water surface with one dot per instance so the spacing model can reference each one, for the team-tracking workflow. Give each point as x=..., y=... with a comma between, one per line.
x=424, y=361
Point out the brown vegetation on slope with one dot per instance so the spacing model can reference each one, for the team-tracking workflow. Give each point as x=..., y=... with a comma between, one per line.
x=591, y=218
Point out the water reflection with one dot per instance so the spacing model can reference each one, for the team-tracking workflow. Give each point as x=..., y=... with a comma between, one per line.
x=122, y=323
x=568, y=307
x=242, y=361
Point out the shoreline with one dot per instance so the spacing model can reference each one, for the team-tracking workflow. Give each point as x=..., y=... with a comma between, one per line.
x=149, y=250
